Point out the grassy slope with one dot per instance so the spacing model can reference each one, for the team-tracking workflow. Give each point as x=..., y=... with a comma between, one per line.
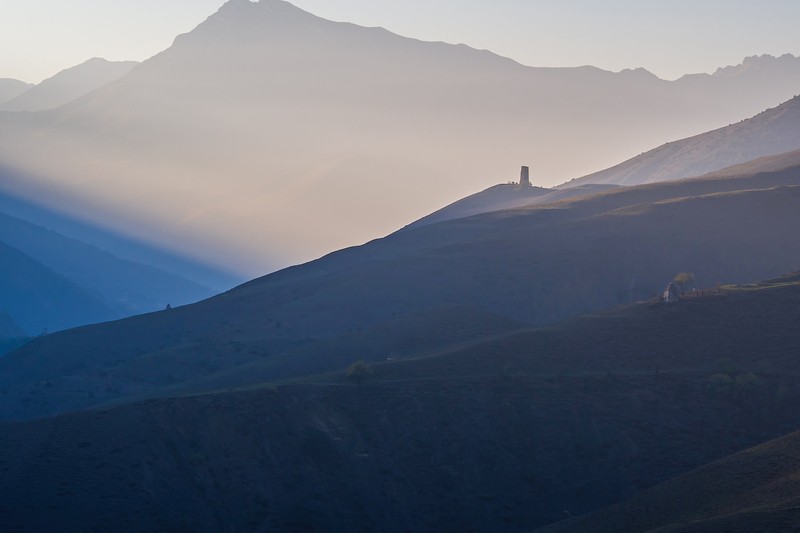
x=534, y=265
x=509, y=434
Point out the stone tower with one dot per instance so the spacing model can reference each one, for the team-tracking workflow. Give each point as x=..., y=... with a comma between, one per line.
x=525, y=177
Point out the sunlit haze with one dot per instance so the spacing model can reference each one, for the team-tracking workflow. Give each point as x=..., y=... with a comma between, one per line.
x=265, y=136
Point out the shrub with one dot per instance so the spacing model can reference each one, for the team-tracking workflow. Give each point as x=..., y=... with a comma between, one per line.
x=359, y=371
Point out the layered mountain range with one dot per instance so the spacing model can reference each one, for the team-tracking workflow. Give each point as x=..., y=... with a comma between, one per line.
x=323, y=134
x=52, y=282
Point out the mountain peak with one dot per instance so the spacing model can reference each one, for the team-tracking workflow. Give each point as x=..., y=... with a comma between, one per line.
x=244, y=20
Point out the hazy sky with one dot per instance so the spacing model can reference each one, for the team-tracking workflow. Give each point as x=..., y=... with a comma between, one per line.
x=40, y=37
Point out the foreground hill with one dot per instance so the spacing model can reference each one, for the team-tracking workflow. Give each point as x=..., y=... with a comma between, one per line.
x=38, y=299
x=68, y=85
x=769, y=133
x=754, y=490
x=535, y=265
x=509, y=433
x=125, y=286
x=323, y=134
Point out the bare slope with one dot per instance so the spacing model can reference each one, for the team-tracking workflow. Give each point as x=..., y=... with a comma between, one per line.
x=323, y=135
x=68, y=85
x=535, y=265
x=769, y=133
x=488, y=437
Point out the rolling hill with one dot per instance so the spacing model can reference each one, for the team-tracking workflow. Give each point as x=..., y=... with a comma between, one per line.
x=535, y=265
x=323, y=135
x=772, y=132
x=68, y=85
x=509, y=433
x=38, y=299
x=126, y=287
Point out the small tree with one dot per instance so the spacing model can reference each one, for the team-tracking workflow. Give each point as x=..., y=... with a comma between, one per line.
x=683, y=279
x=359, y=371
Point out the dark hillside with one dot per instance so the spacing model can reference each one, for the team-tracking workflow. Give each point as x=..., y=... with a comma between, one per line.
x=493, y=437
x=754, y=490
x=534, y=265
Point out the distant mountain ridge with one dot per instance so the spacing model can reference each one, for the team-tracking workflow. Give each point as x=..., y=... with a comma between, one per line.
x=763, y=64
x=330, y=134
x=68, y=85
x=11, y=88
x=772, y=132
